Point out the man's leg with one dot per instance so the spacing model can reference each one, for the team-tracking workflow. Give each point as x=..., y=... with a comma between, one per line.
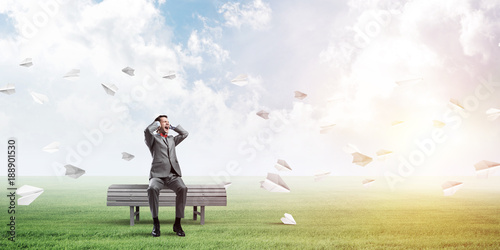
x=180, y=189
x=155, y=185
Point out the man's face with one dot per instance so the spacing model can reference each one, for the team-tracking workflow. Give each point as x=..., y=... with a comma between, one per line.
x=164, y=125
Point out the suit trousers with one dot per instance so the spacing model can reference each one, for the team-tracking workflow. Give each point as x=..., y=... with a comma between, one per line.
x=173, y=182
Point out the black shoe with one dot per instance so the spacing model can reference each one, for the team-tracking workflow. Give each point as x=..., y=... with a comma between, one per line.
x=179, y=231
x=156, y=230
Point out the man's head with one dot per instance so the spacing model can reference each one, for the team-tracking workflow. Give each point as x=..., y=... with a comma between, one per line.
x=164, y=124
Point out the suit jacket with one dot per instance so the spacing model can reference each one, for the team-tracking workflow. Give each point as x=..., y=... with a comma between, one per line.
x=163, y=150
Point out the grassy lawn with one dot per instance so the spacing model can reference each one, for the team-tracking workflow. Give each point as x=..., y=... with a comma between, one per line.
x=336, y=212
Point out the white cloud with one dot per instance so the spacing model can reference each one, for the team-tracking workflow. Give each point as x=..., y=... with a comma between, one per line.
x=256, y=14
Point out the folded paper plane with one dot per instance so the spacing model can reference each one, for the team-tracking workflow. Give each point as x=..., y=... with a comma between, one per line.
x=126, y=156
x=349, y=148
x=39, y=98
x=227, y=184
x=240, y=80
x=263, y=114
x=26, y=62
x=299, y=95
x=486, y=168
x=396, y=123
x=493, y=114
x=74, y=172
x=367, y=182
x=129, y=71
x=451, y=187
x=28, y=193
x=409, y=81
x=274, y=183
x=438, y=124
x=326, y=129
x=170, y=75
x=320, y=175
x=360, y=159
x=72, y=73
x=282, y=165
x=383, y=154
x=109, y=88
x=288, y=219
x=9, y=89
x=52, y=148
x=456, y=104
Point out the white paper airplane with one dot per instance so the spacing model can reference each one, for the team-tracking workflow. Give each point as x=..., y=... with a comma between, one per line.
x=396, y=123
x=451, y=187
x=126, y=156
x=367, y=182
x=299, y=95
x=26, y=62
x=360, y=159
x=39, y=98
x=325, y=129
x=438, y=124
x=409, y=81
x=74, y=172
x=72, y=73
x=383, y=154
x=288, y=219
x=110, y=88
x=129, y=71
x=51, y=148
x=320, y=175
x=170, y=75
x=28, y=193
x=493, y=114
x=274, y=183
x=349, y=148
x=455, y=104
x=9, y=89
x=282, y=165
x=227, y=184
x=263, y=114
x=486, y=168
x=240, y=80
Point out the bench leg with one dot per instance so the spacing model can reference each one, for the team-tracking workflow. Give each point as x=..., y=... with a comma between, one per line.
x=202, y=219
x=131, y=215
x=195, y=210
x=137, y=213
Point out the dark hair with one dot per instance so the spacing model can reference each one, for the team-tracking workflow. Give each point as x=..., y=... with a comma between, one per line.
x=160, y=116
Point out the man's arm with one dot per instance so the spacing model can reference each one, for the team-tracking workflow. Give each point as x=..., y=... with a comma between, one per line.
x=149, y=132
x=182, y=134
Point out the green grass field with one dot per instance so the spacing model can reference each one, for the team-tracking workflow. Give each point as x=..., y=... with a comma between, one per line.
x=336, y=212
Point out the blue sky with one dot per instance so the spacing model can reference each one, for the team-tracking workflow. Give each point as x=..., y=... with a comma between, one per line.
x=345, y=55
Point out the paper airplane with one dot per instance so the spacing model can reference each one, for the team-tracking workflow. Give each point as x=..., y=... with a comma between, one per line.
x=409, y=81
x=486, y=168
x=26, y=62
x=288, y=219
x=9, y=89
x=282, y=165
x=455, y=104
x=395, y=123
x=110, y=88
x=240, y=80
x=39, y=98
x=28, y=193
x=383, y=154
x=227, y=184
x=170, y=75
x=320, y=175
x=129, y=71
x=367, y=182
x=349, y=148
x=274, y=183
x=51, y=148
x=126, y=156
x=451, y=187
x=263, y=114
x=360, y=159
x=493, y=114
x=74, y=172
x=325, y=129
x=438, y=124
x=299, y=95
x=72, y=73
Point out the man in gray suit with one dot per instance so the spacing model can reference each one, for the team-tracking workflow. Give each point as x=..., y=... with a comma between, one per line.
x=165, y=170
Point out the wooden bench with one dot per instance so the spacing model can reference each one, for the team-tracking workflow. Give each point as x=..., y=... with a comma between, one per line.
x=136, y=195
